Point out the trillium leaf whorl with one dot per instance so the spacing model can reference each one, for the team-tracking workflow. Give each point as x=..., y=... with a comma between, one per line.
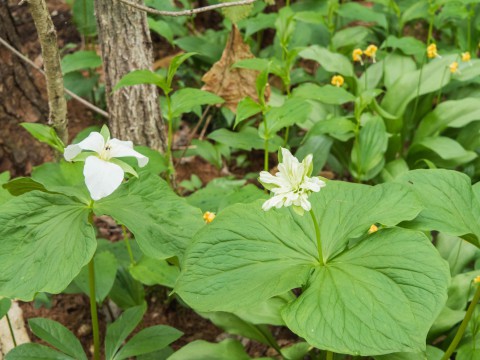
x=292, y=184
x=103, y=171
x=373, y=294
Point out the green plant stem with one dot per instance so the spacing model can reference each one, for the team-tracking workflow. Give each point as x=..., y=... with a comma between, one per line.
x=169, y=139
x=127, y=244
x=463, y=325
x=365, y=73
x=469, y=31
x=329, y=355
x=265, y=146
x=415, y=105
x=317, y=234
x=11, y=330
x=93, y=310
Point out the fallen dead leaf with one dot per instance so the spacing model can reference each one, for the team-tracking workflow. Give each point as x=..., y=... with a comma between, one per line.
x=234, y=84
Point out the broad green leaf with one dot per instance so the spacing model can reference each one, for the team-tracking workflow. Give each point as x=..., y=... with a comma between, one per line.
x=253, y=64
x=4, y=307
x=23, y=185
x=186, y=99
x=228, y=349
x=257, y=23
x=148, y=340
x=266, y=312
x=394, y=169
x=208, y=151
x=64, y=177
x=155, y=272
x=446, y=148
x=432, y=353
x=245, y=109
x=296, y=351
x=339, y=128
x=396, y=66
x=162, y=28
x=58, y=336
x=105, y=271
x=32, y=351
x=361, y=302
x=350, y=36
x=407, y=44
x=449, y=203
x=236, y=13
x=84, y=17
x=446, y=320
x=453, y=113
x=326, y=94
x=45, y=134
x=369, y=149
x=233, y=324
x=139, y=77
x=332, y=62
x=45, y=239
x=80, y=60
x=162, y=222
x=293, y=111
x=175, y=64
x=126, y=291
x=277, y=250
x=355, y=11
x=246, y=139
x=434, y=76
x=118, y=331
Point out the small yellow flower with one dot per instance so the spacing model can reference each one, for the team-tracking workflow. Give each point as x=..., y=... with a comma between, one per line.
x=466, y=56
x=357, y=55
x=208, y=217
x=432, y=51
x=371, y=51
x=373, y=228
x=453, y=67
x=477, y=280
x=337, y=80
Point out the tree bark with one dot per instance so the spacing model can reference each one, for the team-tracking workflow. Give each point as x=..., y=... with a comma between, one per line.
x=53, y=71
x=126, y=46
x=20, y=100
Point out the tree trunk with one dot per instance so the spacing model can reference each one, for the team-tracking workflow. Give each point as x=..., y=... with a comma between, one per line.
x=126, y=46
x=20, y=101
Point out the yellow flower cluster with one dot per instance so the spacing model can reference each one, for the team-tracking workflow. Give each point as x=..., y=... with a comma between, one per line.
x=208, y=217
x=337, y=80
x=373, y=228
x=453, y=67
x=466, y=56
x=432, y=51
x=370, y=51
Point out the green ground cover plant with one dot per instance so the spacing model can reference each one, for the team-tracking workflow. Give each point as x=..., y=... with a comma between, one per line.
x=361, y=235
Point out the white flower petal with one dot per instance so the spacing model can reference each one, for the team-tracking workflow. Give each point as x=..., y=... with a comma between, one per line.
x=313, y=184
x=307, y=165
x=101, y=177
x=125, y=149
x=267, y=178
x=93, y=142
x=275, y=201
x=304, y=203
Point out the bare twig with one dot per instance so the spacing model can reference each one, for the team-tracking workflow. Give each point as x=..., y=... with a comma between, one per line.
x=186, y=12
x=72, y=94
x=53, y=72
x=204, y=129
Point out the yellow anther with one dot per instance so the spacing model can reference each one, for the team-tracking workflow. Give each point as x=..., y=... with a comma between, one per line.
x=477, y=280
x=337, y=80
x=373, y=228
x=208, y=217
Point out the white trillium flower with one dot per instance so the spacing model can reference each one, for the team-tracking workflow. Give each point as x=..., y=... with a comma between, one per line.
x=291, y=185
x=103, y=172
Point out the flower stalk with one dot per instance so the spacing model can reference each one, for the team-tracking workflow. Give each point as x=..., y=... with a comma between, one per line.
x=463, y=325
x=93, y=310
x=12, y=334
x=127, y=244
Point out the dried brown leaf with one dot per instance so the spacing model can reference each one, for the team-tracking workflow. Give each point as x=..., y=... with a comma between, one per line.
x=232, y=84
